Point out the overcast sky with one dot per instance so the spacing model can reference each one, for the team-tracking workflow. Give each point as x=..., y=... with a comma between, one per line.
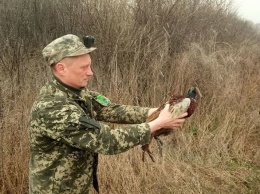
x=248, y=9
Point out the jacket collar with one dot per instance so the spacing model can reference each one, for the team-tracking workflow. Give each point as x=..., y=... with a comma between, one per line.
x=74, y=93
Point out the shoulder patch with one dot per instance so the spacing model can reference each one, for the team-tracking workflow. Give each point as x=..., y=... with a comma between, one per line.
x=102, y=100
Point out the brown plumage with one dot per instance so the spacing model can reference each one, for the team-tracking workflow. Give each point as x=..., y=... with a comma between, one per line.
x=179, y=104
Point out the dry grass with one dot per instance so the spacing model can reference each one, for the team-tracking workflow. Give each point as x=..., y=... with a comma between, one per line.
x=145, y=51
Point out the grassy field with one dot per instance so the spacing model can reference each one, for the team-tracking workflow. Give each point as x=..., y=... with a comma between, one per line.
x=147, y=50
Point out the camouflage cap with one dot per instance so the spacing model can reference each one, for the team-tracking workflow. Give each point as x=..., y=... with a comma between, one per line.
x=65, y=46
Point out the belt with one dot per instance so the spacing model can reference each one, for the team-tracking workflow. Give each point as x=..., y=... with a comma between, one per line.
x=95, y=179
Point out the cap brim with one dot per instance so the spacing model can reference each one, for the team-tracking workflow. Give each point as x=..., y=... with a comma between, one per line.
x=82, y=51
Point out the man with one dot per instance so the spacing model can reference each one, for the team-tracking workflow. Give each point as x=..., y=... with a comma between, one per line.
x=65, y=135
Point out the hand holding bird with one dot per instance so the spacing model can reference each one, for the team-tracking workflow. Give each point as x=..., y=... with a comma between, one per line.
x=178, y=104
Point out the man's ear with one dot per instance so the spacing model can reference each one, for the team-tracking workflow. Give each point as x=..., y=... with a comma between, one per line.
x=60, y=68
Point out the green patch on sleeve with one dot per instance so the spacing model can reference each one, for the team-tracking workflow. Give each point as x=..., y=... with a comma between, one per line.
x=102, y=100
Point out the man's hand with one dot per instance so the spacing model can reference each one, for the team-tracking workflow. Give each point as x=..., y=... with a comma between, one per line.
x=165, y=120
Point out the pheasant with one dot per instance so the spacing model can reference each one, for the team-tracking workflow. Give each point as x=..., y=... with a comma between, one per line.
x=179, y=104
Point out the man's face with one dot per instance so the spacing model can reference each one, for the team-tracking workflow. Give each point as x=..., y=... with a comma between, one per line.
x=77, y=71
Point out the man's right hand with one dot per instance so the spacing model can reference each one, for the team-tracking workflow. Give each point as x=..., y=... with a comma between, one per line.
x=165, y=120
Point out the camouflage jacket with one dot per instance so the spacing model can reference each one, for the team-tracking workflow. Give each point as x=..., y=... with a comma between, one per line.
x=65, y=135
